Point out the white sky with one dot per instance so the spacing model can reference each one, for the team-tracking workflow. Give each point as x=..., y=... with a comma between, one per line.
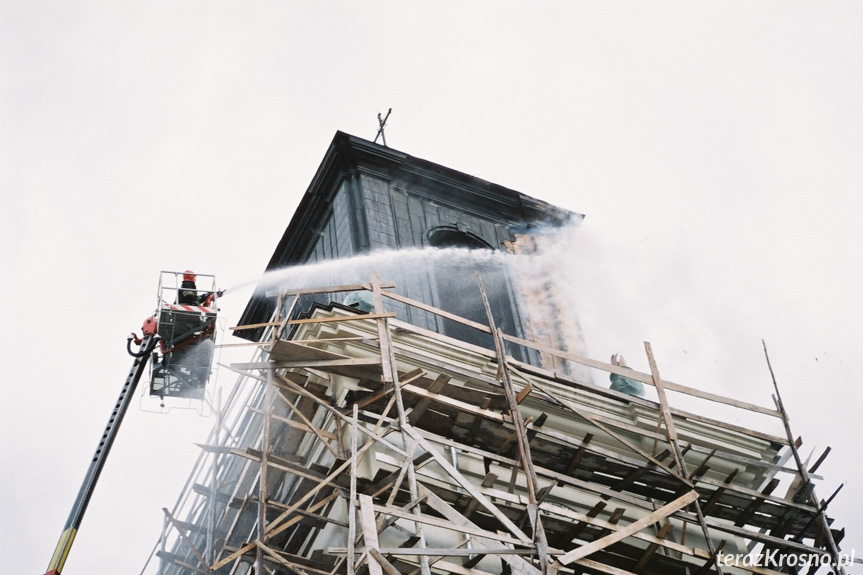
x=716, y=148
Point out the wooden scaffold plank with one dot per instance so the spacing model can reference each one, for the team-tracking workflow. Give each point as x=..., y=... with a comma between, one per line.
x=630, y=529
x=670, y=429
x=467, y=485
x=370, y=532
x=804, y=473
x=390, y=377
x=185, y=538
x=644, y=377
x=519, y=565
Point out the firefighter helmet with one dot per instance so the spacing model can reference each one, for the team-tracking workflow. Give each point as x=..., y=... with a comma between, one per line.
x=189, y=276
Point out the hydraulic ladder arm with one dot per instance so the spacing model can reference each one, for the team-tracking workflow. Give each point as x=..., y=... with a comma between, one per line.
x=61, y=552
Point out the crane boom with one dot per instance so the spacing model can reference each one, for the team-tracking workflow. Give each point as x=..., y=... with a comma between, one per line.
x=61, y=552
x=185, y=333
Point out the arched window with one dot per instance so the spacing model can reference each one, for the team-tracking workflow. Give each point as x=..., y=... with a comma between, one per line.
x=450, y=237
x=457, y=288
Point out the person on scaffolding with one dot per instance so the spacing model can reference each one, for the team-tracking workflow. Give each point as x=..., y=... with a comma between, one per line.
x=623, y=384
x=188, y=293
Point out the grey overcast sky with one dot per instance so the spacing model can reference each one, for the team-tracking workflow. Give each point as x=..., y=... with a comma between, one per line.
x=715, y=147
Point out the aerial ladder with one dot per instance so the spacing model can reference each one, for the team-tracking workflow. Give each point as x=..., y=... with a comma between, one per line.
x=178, y=341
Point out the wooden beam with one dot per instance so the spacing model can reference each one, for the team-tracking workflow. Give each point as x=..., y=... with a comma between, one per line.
x=384, y=563
x=467, y=485
x=602, y=567
x=370, y=532
x=319, y=433
x=664, y=409
x=519, y=565
x=557, y=377
x=487, y=481
x=705, y=567
x=820, y=460
x=278, y=463
x=507, y=443
x=675, y=449
x=609, y=526
x=714, y=499
x=566, y=538
x=721, y=525
x=821, y=509
x=302, y=391
x=255, y=325
x=637, y=473
x=390, y=376
x=703, y=467
x=290, y=423
x=824, y=526
x=446, y=524
x=422, y=405
x=275, y=528
x=368, y=400
x=634, y=527
x=533, y=427
x=525, y=391
x=275, y=556
x=589, y=418
x=235, y=555
x=328, y=289
x=352, y=501
x=755, y=493
x=437, y=551
x=579, y=453
x=436, y=311
x=308, y=363
x=185, y=538
x=477, y=419
x=564, y=479
x=311, y=341
x=651, y=549
x=643, y=377
x=315, y=517
x=752, y=508
x=395, y=477
x=455, y=403
x=328, y=319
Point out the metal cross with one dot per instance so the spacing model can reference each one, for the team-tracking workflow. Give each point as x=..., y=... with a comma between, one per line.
x=382, y=123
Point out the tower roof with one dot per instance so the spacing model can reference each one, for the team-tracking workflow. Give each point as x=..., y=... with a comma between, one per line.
x=349, y=157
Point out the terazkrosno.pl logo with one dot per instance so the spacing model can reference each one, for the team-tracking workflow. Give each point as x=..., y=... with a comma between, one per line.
x=773, y=559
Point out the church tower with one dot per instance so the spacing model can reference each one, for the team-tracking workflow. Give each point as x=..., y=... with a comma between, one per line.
x=395, y=417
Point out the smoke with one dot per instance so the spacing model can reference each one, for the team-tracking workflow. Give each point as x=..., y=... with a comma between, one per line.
x=704, y=322
x=607, y=293
x=543, y=272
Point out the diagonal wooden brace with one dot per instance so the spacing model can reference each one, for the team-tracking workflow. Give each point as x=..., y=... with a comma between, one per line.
x=630, y=529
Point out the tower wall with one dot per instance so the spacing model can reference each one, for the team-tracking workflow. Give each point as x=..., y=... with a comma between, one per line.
x=367, y=199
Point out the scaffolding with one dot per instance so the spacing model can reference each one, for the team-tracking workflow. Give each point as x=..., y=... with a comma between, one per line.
x=354, y=442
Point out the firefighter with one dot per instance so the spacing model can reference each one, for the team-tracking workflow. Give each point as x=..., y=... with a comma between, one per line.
x=623, y=384
x=188, y=293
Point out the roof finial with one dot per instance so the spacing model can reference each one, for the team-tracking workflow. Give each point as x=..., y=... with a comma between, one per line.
x=382, y=123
